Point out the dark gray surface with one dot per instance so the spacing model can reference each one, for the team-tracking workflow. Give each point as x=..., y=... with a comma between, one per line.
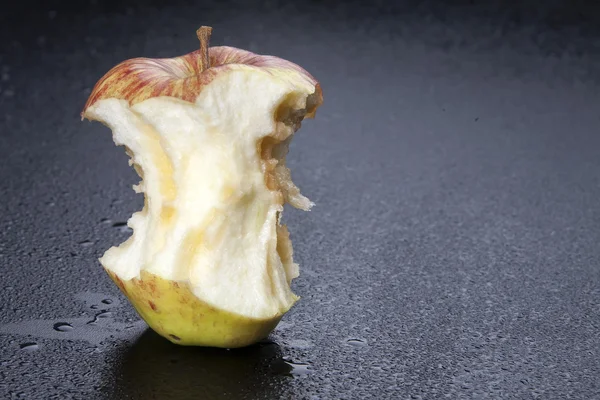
x=456, y=174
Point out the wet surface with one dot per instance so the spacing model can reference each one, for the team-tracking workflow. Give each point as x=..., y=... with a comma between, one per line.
x=453, y=251
x=153, y=366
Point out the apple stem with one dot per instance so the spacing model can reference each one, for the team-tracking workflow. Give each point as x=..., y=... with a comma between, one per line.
x=203, y=34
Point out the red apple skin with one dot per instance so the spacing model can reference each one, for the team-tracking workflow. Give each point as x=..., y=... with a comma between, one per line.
x=183, y=77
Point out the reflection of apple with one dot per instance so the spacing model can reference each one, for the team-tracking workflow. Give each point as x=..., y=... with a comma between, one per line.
x=208, y=262
x=156, y=369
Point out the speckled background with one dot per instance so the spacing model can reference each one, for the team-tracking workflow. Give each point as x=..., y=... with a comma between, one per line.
x=453, y=252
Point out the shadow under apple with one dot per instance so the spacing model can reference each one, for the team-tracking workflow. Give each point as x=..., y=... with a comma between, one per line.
x=154, y=368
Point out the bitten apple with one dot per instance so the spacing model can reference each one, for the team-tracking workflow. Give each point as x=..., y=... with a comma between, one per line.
x=208, y=262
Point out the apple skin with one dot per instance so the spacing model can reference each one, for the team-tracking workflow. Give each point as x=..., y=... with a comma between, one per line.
x=183, y=77
x=171, y=310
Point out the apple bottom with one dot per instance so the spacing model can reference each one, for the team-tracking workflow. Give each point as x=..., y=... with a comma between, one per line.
x=174, y=312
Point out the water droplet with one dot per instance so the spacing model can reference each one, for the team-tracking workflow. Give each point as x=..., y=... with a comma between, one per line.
x=63, y=327
x=94, y=307
x=107, y=301
x=356, y=342
x=299, y=344
x=122, y=226
x=284, y=325
x=101, y=315
x=29, y=346
x=291, y=368
x=298, y=368
x=86, y=243
x=266, y=342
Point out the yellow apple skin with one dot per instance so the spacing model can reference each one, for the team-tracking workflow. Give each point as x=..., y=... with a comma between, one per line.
x=172, y=311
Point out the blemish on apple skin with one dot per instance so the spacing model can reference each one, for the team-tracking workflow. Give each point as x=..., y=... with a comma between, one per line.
x=174, y=337
x=120, y=284
x=152, y=306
